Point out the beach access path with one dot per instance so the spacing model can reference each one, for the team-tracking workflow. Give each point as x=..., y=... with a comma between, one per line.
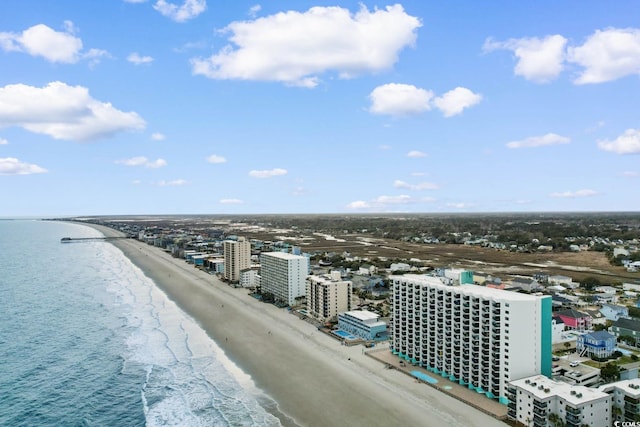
x=314, y=379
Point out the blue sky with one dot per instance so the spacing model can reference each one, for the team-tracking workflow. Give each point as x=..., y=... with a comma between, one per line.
x=217, y=107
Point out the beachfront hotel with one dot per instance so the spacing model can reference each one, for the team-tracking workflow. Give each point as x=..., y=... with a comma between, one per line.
x=363, y=324
x=327, y=295
x=237, y=257
x=538, y=401
x=283, y=275
x=477, y=336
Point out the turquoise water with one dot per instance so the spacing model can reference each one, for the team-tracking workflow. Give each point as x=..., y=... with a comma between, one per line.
x=87, y=340
x=424, y=377
x=344, y=334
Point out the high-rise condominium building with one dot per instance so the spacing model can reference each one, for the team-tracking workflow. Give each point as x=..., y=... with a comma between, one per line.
x=283, y=275
x=237, y=257
x=480, y=337
x=328, y=295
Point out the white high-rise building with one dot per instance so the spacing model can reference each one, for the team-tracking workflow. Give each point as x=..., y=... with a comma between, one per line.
x=283, y=275
x=237, y=257
x=480, y=337
x=328, y=295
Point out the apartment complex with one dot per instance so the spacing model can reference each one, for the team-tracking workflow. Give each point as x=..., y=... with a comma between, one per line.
x=625, y=403
x=328, y=295
x=480, y=337
x=283, y=275
x=363, y=324
x=539, y=401
x=237, y=257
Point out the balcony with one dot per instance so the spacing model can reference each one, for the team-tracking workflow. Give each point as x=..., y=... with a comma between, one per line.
x=573, y=411
x=573, y=419
x=539, y=404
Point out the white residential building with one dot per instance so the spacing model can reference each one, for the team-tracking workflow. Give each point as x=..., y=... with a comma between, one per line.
x=237, y=257
x=478, y=336
x=363, y=324
x=283, y=275
x=539, y=401
x=625, y=397
x=249, y=277
x=328, y=295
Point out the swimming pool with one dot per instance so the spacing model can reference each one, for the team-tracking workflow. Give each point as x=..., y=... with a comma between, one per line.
x=424, y=377
x=344, y=334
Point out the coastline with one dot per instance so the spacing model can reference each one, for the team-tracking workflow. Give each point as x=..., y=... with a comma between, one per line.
x=314, y=380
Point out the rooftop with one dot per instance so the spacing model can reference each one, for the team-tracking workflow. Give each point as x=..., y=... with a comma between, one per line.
x=542, y=388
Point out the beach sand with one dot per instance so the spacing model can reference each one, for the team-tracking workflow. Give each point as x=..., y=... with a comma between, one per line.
x=314, y=379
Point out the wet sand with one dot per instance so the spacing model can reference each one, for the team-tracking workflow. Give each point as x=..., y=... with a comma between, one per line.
x=315, y=380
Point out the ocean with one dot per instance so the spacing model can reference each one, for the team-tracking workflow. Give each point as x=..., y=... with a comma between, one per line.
x=86, y=339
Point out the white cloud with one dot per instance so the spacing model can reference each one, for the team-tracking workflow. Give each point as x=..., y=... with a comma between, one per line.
x=143, y=161
x=136, y=59
x=415, y=187
x=174, y=183
x=456, y=100
x=3, y=141
x=13, y=166
x=397, y=99
x=460, y=205
x=95, y=55
x=158, y=136
x=539, y=60
x=574, y=194
x=539, y=141
x=296, y=47
x=63, y=112
x=268, y=173
x=627, y=143
x=416, y=154
x=630, y=173
x=253, y=10
x=214, y=158
x=607, y=55
x=230, y=202
x=45, y=42
x=358, y=204
x=188, y=10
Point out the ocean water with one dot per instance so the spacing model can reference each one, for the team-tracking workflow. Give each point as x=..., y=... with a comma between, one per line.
x=86, y=339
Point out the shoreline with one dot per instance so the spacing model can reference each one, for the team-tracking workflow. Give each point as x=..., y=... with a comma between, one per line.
x=313, y=379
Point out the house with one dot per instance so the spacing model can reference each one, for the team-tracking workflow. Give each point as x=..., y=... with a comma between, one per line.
x=561, y=280
x=626, y=328
x=600, y=344
x=575, y=319
x=525, y=283
x=614, y=312
x=557, y=328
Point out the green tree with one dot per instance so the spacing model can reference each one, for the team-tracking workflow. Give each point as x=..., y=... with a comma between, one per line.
x=610, y=372
x=590, y=282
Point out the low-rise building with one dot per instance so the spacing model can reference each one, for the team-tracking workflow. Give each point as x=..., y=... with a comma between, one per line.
x=627, y=328
x=574, y=319
x=614, y=312
x=539, y=401
x=600, y=344
x=625, y=399
x=363, y=324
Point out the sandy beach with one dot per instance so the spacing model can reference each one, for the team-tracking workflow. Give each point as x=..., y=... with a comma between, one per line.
x=315, y=380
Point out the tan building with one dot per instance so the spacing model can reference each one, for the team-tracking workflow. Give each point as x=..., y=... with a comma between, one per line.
x=328, y=295
x=237, y=257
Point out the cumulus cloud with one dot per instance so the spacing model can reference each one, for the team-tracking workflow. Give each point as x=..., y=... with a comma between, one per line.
x=416, y=154
x=607, y=55
x=397, y=99
x=188, y=10
x=174, y=183
x=3, y=141
x=574, y=194
x=230, y=202
x=13, y=166
x=63, y=112
x=539, y=141
x=539, y=60
x=268, y=173
x=214, y=158
x=295, y=48
x=143, y=161
x=40, y=40
x=136, y=59
x=415, y=187
x=383, y=203
x=158, y=136
x=627, y=143
x=456, y=100
x=253, y=10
